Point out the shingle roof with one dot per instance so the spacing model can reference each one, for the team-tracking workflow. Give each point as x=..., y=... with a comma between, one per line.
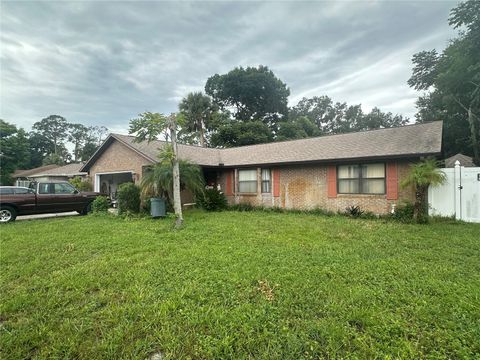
x=464, y=160
x=29, y=172
x=410, y=140
x=406, y=141
x=66, y=170
x=196, y=154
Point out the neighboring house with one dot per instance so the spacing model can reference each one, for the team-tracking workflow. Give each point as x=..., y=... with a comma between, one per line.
x=464, y=160
x=330, y=172
x=49, y=173
x=22, y=176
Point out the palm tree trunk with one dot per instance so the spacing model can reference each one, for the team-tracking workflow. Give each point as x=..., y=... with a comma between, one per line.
x=202, y=134
x=419, y=211
x=177, y=204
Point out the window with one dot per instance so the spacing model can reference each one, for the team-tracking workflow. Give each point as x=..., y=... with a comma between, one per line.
x=25, y=183
x=266, y=181
x=63, y=188
x=361, y=179
x=247, y=181
x=21, y=190
x=45, y=188
x=6, y=191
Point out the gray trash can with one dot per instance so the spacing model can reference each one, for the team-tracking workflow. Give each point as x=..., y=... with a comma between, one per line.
x=157, y=207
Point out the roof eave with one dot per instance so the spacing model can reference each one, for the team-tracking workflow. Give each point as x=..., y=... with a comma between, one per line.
x=336, y=160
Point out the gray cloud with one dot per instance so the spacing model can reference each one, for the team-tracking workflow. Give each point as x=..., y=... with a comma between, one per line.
x=104, y=62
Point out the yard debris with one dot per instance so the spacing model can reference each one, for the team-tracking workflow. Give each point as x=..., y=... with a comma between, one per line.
x=266, y=290
x=157, y=356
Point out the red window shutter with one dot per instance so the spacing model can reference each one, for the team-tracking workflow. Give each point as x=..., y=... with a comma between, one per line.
x=332, y=181
x=276, y=182
x=392, y=181
x=228, y=185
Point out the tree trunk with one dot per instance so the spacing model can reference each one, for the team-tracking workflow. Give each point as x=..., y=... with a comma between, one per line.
x=473, y=131
x=419, y=211
x=201, y=137
x=177, y=204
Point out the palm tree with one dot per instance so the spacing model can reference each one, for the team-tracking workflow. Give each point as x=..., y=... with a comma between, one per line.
x=159, y=180
x=422, y=175
x=197, y=110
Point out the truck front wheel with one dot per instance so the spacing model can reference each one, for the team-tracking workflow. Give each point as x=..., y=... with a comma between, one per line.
x=7, y=214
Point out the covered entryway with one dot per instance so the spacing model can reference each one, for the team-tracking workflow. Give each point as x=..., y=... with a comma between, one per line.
x=108, y=183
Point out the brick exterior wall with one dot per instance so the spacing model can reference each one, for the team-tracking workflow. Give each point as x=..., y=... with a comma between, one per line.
x=300, y=187
x=305, y=187
x=118, y=157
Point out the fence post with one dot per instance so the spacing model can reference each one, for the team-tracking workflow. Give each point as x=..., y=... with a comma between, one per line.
x=457, y=181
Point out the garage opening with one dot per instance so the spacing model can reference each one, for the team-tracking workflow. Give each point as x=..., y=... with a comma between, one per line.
x=108, y=183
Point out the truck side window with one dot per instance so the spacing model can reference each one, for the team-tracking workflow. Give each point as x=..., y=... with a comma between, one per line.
x=44, y=188
x=21, y=191
x=63, y=188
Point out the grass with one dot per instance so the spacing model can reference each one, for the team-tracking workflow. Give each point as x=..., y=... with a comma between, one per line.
x=238, y=285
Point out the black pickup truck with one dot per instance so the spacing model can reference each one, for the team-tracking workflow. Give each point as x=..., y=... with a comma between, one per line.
x=43, y=197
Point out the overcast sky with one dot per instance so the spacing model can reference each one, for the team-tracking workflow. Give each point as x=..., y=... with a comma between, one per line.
x=102, y=63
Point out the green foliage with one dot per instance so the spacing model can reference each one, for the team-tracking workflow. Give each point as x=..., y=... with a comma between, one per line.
x=275, y=209
x=54, y=128
x=337, y=118
x=77, y=135
x=158, y=180
x=100, y=204
x=245, y=207
x=403, y=213
x=128, y=198
x=354, y=211
x=14, y=151
x=422, y=175
x=149, y=126
x=298, y=128
x=239, y=285
x=53, y=159
x=49, y=136
x=454, y=77
x=234, y=133
x=88, y=150
x=40, y=147
x=254, y=93
x=212, y=200
x=198, y=112
x=80, y=184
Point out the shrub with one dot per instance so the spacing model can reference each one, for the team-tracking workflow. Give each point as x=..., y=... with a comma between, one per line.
x=369, y=215
x=212, y=200
x=100, y=204
x=404, y=213
x=354, y=211
x=128, y=197
x=80, y=184
x=244, y=207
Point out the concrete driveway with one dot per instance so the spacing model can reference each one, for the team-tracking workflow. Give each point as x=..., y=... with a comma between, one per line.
x=46, y=216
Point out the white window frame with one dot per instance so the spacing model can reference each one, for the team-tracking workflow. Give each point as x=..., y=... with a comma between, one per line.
x=249, y=181
x=269, y=181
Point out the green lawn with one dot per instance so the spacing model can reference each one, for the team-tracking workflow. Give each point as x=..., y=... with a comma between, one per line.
x=239, y=285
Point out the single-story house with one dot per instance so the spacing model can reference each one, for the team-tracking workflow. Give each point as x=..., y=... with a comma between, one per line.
x=49, y=173
x=331, y=172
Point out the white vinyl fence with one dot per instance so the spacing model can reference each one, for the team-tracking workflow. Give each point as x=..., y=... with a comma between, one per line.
x=459, y=196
